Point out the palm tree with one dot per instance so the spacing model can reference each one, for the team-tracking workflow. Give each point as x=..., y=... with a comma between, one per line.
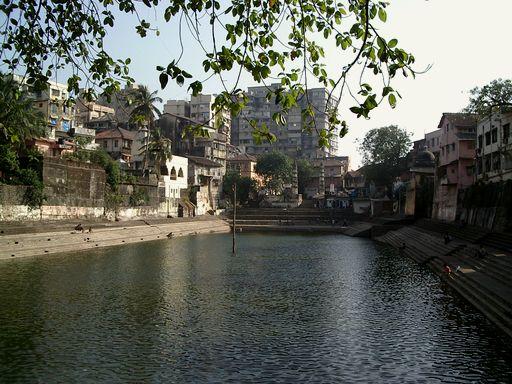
x=143, y=101
x=158, y=149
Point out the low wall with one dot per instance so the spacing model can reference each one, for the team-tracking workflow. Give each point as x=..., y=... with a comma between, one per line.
x=73, y=183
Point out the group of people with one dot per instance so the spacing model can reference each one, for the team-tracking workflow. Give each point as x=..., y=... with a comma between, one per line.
x=481, y=254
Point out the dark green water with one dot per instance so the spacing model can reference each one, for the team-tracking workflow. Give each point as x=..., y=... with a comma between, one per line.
x=288, y=308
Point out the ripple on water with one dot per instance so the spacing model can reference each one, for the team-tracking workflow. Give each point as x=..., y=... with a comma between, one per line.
x=285, y=309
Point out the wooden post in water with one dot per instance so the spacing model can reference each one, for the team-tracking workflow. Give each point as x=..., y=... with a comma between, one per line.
x=234, y=218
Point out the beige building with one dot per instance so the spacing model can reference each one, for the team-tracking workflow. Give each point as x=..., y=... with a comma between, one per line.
x=177, y=107
x=245, y=166
x=85, y=111
x=200, y=109
x=117, y=142
x=52, y=103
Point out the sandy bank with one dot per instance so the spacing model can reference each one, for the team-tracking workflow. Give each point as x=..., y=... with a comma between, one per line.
x=66, y=240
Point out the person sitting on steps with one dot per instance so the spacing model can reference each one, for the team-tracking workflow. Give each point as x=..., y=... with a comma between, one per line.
x=481, y=253
x=447, y=270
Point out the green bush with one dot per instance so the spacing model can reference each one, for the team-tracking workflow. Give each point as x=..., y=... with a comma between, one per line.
x=138, y=197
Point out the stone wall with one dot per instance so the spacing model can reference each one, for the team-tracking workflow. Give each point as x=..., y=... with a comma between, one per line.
x=73, y=184
x=12, y=206
x=72, y=190
x=76, y=190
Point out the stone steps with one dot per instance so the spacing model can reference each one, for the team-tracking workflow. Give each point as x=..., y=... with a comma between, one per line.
x=490, y=265
x=495, y=310
x=470, y=234
x=485, y=283
x=501, y=241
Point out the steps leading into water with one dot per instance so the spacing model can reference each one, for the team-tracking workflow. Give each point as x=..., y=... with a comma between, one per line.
x=484, y=282
x=301, y=219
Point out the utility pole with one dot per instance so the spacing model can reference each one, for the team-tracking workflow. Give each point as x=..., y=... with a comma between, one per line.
x=234, y=218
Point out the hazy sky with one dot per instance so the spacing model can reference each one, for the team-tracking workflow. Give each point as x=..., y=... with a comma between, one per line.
x=468, y=43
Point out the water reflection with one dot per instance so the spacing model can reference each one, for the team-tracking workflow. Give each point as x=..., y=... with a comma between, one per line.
x=285, y=309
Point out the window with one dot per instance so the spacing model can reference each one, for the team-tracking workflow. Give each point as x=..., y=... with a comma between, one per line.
x=487, y=138
x=496, y=162
x=55, y=92
x=173, y=173
x=480, y=141
x=105, y=144
x=494, y=134
x=180, y=173
x=40, y=105
x=53, y=109
x=506, y=132
x=116, y=143
x=453, y=146
x=488, y=162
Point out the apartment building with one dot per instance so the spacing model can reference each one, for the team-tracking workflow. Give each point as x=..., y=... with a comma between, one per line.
x=456, y=166
x=87, y=111
x=494, y=147
x=52, y=103
x=293, y=138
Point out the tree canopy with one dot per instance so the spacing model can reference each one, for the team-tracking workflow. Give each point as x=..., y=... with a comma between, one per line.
x=386, y=145
x=276, y=169
x=272, y=41
x=19, y=120
x=305, y=171
x=245, y=187
x=490, y=96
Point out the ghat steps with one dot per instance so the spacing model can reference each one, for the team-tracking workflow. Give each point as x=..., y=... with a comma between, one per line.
x=485, y=282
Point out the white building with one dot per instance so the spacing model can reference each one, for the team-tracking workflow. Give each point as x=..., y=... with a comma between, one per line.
x=494, y=147
x=175, y=183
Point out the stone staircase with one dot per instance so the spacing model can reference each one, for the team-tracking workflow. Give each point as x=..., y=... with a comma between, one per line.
x=294, y=219
x=471, y=234
x=484, y=282
x=498, y=240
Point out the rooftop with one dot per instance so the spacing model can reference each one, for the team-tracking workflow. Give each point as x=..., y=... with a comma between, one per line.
x=116, y=133
x=204, y=161
x=242, y=157
x=459, y=119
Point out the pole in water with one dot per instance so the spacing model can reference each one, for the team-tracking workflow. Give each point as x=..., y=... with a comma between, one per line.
x=234, y=218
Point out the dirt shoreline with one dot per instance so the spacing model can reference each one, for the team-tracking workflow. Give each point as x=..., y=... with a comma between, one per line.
x=61, y=238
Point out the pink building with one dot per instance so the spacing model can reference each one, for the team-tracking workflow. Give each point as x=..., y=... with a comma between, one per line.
x=456, y=167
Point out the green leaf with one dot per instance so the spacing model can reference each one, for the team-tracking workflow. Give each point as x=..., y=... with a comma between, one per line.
x=392, y=100
x=392, y=43
x=382, y=15
x=164, y=78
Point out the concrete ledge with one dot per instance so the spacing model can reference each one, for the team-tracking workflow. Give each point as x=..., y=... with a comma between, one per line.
x=47, y=243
